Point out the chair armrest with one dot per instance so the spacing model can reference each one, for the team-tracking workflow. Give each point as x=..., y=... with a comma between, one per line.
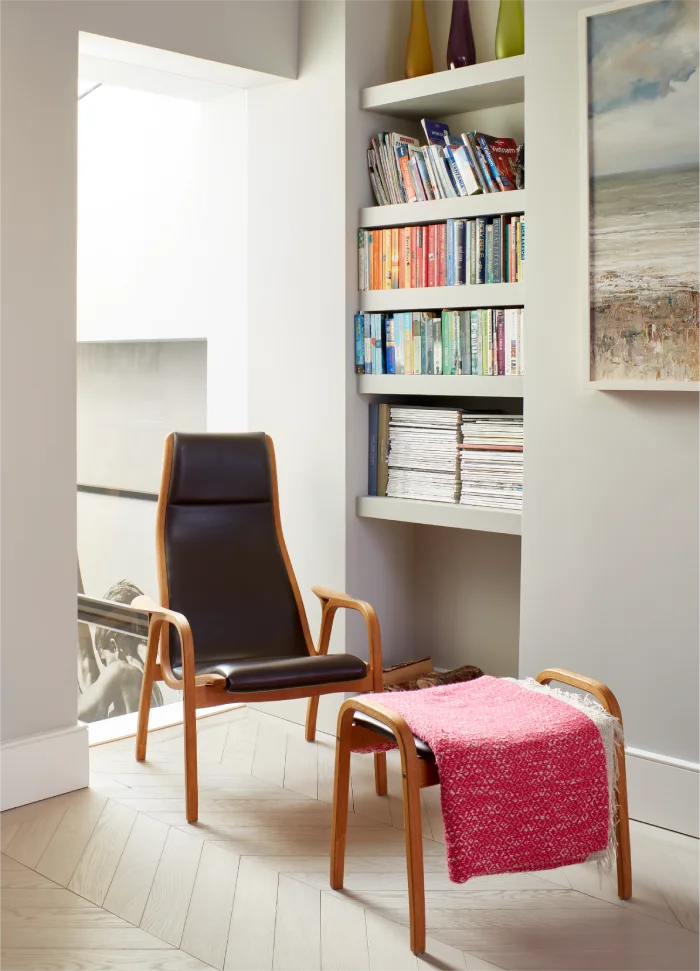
x=163, y=615
x=333, y=600
x=584, y=683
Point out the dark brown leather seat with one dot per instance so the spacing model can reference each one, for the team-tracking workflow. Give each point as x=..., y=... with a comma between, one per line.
x=423, y=750
x=270, y=673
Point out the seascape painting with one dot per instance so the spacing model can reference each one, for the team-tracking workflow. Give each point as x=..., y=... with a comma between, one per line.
x=643, y=132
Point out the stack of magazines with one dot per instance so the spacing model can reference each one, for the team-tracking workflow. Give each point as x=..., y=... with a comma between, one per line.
x=423, y=454
x=401, y=170
x=491, y=454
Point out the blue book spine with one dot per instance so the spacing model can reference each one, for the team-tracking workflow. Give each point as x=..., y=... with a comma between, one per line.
x=380, y=345
x=450, y=253
x=460, y=252
x=497, y=252
x=474, y=323
x=480, y=250
x=390, y=346
x=368, y=342
x=373, y=447
x=359, y=345
x=522, y=245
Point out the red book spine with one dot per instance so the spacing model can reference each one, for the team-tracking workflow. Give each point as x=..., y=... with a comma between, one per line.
x=413, y=256
x=501, y=341
x=420, y=253
x=442, y=255
x=432, y=239
x=402, y=259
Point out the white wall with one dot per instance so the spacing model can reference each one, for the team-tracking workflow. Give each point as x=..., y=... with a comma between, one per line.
x=610, y=541
x=39, y=70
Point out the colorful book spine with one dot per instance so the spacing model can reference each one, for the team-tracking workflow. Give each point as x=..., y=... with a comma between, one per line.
x=488, y=247
x=480, y=250
x=501, y=342
x=441, y=268
x=417, y=350
x=413, y=256
x=367, y=332
x=431, y=255
x=450, y=248
x=383, y=415
x=359, y=344
x=474, y=325
x=497, y=251
x=407, y=324
x=437, y=346
x=406, y=269
x=460, y=252
x=390, y=345
x=373, y=447
x=483, y=164
x=394, y=259
x=424, y=343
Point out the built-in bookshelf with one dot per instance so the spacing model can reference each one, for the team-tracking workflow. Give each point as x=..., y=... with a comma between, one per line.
x=444, y=298
x=449, y=514
x=441, y=385
x=444, y=96
x=488, y=85
x=437, y=210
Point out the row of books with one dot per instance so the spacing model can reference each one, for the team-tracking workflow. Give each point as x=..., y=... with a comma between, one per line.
x=450, y=254
x=486, y=342
x=401, y=170
x=446, y=455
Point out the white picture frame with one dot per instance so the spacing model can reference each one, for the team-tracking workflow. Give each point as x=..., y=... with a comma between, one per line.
x=590, y=381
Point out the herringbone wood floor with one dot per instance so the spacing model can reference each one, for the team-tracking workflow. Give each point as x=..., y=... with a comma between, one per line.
x=113, y=877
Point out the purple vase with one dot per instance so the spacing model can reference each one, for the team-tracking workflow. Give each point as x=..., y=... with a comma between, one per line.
x=460, y=44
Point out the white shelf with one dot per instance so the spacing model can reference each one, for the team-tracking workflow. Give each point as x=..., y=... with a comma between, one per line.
x=644, y=386
x=433, y=298
x=439, y=210
x=487, y=85
x=451, y=385
x=481, y=519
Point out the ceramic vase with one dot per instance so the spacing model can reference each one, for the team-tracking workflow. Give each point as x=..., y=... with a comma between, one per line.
x=419, y=56
x=510, y=29
x=460, y=45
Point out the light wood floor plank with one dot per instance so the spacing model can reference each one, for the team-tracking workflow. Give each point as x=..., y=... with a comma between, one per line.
x=343, y=935
x=209, y=915
x=35, y=833
x=252, y=932
x=133, y=878
x=388, y=944
x=67, y=845
x=442, y=956
x=169, y=899
x=97, y=959
x=269, y=758
x=298, y=927
x=239, y=749
x=301, y=767
x=95, y=870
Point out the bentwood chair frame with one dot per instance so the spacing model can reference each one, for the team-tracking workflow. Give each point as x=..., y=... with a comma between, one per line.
x=419, y=773
x=209, y=690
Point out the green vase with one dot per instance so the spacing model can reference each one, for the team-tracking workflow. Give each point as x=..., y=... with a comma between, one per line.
x=510, y=29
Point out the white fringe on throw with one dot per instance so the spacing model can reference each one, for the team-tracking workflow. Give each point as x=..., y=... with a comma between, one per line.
x=611, y=735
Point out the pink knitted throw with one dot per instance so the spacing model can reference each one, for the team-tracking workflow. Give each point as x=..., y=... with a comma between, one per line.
x=524, y=778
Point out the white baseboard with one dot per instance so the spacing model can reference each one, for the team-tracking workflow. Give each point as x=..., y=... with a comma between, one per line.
x=663, y=791
x=48, y=764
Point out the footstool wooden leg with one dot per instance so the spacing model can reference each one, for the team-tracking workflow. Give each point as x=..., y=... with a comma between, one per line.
x=414, y=849
x=341, y=789
x=380, y=783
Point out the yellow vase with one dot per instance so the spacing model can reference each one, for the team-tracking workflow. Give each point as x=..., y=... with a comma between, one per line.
x=419, y=56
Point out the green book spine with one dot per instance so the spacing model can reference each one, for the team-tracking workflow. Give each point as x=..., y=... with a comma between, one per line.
x=484, y=349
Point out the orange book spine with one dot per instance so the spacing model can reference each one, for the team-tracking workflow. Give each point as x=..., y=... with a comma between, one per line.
x=386, y=259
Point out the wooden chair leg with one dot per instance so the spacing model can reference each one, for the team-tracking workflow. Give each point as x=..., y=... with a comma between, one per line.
x=624, y=853
x=149, y=668
x=311, y=715
x=189, y=721
x=414, y=851
x=341, y=790
x=380, y=782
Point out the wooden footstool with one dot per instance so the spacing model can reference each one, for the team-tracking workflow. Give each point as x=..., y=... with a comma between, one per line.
x=361, y=724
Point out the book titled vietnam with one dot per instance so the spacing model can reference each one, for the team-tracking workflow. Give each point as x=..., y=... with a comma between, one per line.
x=501, y=156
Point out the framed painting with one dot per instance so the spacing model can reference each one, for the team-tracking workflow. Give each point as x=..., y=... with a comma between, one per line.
x=640, y=115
